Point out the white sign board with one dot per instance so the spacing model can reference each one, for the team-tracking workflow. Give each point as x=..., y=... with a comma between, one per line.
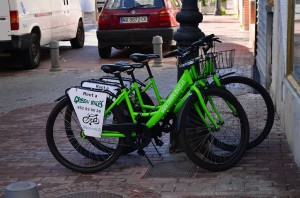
x=89, y=107
x=127, y=83
x=102, y=86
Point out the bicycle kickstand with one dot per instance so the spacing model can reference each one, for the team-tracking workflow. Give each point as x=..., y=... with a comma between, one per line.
x=156, y=148
x=141, y=152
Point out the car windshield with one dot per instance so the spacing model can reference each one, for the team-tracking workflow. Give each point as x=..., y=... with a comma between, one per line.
x=133, y=4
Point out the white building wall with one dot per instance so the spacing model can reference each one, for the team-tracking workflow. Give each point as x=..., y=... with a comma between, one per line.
x=286, y=100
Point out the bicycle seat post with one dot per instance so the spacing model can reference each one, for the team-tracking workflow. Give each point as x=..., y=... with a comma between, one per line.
x=132, y=75
x=148, y=69
x=118, y=75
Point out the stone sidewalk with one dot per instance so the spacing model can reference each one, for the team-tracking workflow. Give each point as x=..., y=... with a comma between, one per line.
x=268, y=170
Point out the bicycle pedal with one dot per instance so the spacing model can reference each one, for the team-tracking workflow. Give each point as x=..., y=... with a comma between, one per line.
x=159, y=142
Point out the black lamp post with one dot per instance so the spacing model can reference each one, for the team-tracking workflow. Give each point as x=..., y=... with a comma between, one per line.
x=218, y=8
x=188, y=32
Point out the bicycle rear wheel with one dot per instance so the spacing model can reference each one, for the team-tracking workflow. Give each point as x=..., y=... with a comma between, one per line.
x=256, y=102
x=76, y=152
x=214, y=150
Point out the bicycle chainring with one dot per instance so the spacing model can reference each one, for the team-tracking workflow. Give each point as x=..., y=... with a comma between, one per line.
x=169, y=123
x=142, y=139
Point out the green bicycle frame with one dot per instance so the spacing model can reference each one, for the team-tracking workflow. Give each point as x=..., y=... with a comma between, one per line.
x=193, y=77
x=183, y=89
x=209, y=70
x=152, y=84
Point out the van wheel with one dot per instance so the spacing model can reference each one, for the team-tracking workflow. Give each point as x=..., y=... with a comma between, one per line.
x=78, y=41
x=104, y=52
x=31, y=57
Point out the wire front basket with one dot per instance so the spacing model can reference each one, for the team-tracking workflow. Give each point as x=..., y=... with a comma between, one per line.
x=224, y=59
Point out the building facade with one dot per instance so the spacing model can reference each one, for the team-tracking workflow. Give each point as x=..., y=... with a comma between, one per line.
x=285, y=80
x=275, y=34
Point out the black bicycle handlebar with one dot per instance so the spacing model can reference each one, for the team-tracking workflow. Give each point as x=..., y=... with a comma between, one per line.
x=174, y=53
x=203, y=41
x=206, y=41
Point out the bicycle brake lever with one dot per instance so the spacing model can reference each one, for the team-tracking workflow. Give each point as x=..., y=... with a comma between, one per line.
x=217, y=39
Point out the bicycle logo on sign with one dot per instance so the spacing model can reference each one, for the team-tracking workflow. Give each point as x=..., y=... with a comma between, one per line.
x=91, y=119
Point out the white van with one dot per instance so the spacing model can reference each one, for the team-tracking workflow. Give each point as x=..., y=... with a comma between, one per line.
x=25, y=25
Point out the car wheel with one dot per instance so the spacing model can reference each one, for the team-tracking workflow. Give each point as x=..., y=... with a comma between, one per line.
x=31, y=57
x=78, y=41
x=104, y=52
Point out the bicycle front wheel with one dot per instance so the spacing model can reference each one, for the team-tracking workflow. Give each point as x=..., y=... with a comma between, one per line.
x=257, y=103
x=72, y=149
x=209, y=148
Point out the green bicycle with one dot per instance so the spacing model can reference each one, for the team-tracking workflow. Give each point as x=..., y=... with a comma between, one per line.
x=211, y=114
x=249, y=92
x=252, y=95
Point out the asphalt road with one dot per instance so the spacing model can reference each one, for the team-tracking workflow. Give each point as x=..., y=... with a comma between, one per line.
x=21, y=88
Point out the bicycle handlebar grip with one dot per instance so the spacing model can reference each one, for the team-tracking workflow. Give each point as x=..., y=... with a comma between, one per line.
x=197, y=43
x=208, y=38
x=203, y=40
x=173, y=53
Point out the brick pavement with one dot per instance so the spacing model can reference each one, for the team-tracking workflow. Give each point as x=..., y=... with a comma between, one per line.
x=266, y=171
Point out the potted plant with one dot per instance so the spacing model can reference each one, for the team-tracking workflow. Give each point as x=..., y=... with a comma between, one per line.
x=224, y=3
x=208, y=6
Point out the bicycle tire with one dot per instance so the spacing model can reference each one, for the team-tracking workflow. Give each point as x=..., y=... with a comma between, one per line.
x=199, y=143
x=261, y=112
x=74, y=157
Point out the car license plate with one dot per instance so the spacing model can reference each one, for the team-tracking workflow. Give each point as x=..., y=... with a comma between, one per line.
x=137, y=19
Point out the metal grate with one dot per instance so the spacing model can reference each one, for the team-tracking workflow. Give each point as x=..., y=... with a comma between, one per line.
x=171, y=169
x=90, y=194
